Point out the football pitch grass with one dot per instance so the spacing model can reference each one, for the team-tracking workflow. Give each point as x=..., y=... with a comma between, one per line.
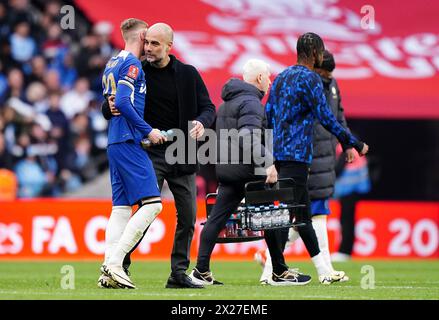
x=393, y=280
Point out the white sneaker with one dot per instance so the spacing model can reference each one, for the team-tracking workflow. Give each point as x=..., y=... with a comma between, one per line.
x=342, y=275
x=118, y=275
x=331, y=278
x=105, y=282
x=264, y=282
x=340, y=257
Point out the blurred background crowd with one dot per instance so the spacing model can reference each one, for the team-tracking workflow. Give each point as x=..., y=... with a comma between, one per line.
x=52, y=134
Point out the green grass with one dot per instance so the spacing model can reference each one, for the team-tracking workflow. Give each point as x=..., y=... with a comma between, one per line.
x=394, y=280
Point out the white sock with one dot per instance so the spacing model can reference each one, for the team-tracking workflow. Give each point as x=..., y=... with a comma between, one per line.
x=133, y=232
x=319, y=225
x=320, y=264
x=293, y=235
x=116, y=225
x=268, y=267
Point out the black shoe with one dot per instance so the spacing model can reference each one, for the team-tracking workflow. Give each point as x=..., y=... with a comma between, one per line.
x=289, y=278
x=182, y=281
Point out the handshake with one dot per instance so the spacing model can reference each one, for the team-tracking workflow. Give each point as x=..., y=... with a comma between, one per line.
x=155, y=137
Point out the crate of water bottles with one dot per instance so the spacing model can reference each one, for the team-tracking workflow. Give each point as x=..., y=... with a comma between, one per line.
x=233, y=231
x=270, y=206
x=265, y=217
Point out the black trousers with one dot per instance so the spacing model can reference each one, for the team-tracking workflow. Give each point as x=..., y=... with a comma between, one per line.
x=228, y=199
x=299, y=171
x=183, y=189
x=347, y=221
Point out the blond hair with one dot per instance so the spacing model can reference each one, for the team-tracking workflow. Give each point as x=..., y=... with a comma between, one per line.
x=130, y=26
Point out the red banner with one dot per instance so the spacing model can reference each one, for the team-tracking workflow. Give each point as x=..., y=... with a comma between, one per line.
x=387, y=52
x=75, y=230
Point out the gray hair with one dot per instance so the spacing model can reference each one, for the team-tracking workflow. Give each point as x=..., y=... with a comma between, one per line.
x=253, y=68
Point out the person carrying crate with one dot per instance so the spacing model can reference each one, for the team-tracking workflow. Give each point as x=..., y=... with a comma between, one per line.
x=243, y=113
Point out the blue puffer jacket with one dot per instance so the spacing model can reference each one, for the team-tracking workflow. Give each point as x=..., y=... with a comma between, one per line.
x=296, y=100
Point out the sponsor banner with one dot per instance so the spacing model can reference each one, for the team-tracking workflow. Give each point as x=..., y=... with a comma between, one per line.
x=75, y=229
x=387, y=52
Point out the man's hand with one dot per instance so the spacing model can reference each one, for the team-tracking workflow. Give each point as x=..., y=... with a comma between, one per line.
x=197, y=131
x=365, y=150
x=156, y=137
x=271, y=174
x=350, y=155
x=112, y=105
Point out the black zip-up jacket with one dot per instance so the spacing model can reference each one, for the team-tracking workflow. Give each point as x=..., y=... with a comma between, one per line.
x=193, y=103
x=322, y=175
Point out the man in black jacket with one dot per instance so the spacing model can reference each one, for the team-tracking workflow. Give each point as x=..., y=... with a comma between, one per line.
x=242, y=112
x=176, y=95
x=322, y=173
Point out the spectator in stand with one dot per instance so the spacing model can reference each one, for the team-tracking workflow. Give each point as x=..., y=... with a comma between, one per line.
x=36, y=95
x=60, y=133
x=80, y=127
x=65, y=68
x=90, y=63
x=103, y=31
x=23, y=46
x=19, y=11
x=52, y=81
x=31, y=178
x=78, y=99
x=53, y=46
x=52, y=10
x=39, y=69
x=15, y=85
x=36, y=172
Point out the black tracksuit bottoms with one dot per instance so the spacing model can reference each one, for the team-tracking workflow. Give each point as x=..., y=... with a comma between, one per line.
x=299, y=171
x=228, y=200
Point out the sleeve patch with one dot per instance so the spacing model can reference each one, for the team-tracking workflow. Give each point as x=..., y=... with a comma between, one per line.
x=133, y=72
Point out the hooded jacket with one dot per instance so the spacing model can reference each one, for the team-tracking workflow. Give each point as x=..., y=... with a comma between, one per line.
x=242, y=112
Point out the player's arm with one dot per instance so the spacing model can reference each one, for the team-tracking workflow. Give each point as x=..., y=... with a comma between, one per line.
x=317, y=101
x=125, y=90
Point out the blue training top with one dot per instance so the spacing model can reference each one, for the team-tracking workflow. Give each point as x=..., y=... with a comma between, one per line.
x=296, y=100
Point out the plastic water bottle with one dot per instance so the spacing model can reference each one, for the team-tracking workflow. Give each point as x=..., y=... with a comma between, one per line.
x=257, y=219
x=146, y=143
x=267, y=218
x=285, y=215
x=276, y=219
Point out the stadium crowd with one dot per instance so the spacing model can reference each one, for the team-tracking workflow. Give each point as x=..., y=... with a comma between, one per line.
x=52, y=134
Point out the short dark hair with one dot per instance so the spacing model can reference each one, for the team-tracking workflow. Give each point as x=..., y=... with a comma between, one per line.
x=307, y=43
x=328, y=61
